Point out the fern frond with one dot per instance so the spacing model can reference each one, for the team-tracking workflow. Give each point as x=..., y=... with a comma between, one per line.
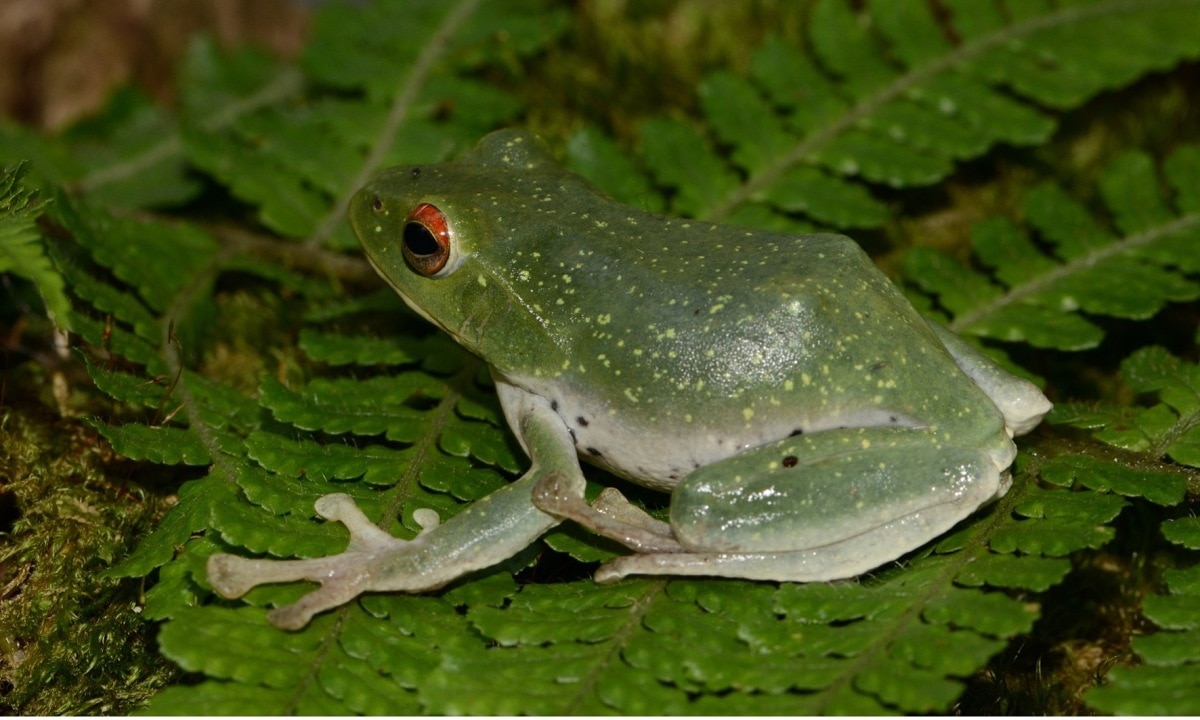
x=309, y=669
x=1037, y=298
x=21, y=252
x=1169, y=428
x=893, y=95
x=1166, y=681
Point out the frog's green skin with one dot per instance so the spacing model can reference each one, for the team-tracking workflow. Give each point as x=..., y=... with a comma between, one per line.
x=808, y=422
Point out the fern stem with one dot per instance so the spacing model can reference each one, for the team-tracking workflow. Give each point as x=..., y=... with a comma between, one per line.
x=198, y=285
x=427, y=442
x=406, y=96
x=867, y=106
x=283, y=85
x=1045, y=282
x=586, y=686
x=295, y=703
x=1178, y=430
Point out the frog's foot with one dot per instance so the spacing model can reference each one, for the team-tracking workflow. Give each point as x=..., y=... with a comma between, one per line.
x=342, y=577
x=612, y=503
x=612, y=516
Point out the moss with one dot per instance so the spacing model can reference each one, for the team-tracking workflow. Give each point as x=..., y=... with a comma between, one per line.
x=72, y=641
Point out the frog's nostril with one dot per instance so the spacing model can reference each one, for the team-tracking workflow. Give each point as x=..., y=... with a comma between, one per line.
x=377, y=203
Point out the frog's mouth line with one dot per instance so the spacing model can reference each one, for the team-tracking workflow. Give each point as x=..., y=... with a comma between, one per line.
x=403, y=296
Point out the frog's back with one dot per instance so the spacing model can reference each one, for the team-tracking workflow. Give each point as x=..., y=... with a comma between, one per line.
x=679, y=303
x=732, y=337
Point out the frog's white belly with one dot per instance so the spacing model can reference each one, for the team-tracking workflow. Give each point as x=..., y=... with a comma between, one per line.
x=661, y=457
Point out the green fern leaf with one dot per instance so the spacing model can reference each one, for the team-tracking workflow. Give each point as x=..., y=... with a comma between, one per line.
x=163, y=445
x=679, y=157
x=178, y=586
x=338, y=349
x=1159, y=487
x=125, y=308
x=1166, y=681
x=198, y=499
x=1183, y=531
x=130, y=158
x=20, y=251
x=600, y=159
x=316, y=672
x=364, y=407
x=134, y=250
x=1078, y=522
x=1035, y=298
x=1169, y=428
x=375, y=465
x=885, y=97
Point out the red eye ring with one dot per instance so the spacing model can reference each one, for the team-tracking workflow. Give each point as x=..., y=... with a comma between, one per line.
x=427, y=239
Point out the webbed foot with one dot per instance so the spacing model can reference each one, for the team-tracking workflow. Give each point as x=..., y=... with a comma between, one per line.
x=342, y=577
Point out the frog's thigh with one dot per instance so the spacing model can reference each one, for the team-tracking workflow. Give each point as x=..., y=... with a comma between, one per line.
x=830, y=505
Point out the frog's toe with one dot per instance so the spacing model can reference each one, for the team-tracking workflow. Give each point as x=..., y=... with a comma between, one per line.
x=612, y=503
x=327, y=597
x=232, y=576
x=427, y=519
x=364, y=534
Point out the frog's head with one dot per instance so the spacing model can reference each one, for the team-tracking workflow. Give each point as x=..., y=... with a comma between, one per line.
x=447, y=237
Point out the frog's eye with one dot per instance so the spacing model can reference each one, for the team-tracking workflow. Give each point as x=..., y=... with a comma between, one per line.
x=427, y=239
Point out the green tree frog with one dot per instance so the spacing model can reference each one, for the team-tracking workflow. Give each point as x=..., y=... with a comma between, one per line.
x=808, y=423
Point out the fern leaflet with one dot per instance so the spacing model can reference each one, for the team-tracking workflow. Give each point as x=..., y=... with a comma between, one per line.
x=1037, y=299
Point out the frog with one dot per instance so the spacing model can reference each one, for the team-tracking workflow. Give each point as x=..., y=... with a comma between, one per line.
x=808, y=423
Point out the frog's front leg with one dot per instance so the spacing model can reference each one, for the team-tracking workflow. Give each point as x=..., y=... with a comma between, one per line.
x=825, y=506
x=490, y=530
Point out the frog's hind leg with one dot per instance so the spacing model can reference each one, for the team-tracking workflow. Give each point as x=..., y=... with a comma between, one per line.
x=822, y=507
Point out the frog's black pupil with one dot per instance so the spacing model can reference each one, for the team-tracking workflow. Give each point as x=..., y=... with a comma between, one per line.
x=419, y=240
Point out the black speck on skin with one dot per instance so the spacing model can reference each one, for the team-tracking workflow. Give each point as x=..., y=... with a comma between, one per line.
x=416, y=173
x=790, y=461
x=554, y=405
x=797, y=431
x=582, y=421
